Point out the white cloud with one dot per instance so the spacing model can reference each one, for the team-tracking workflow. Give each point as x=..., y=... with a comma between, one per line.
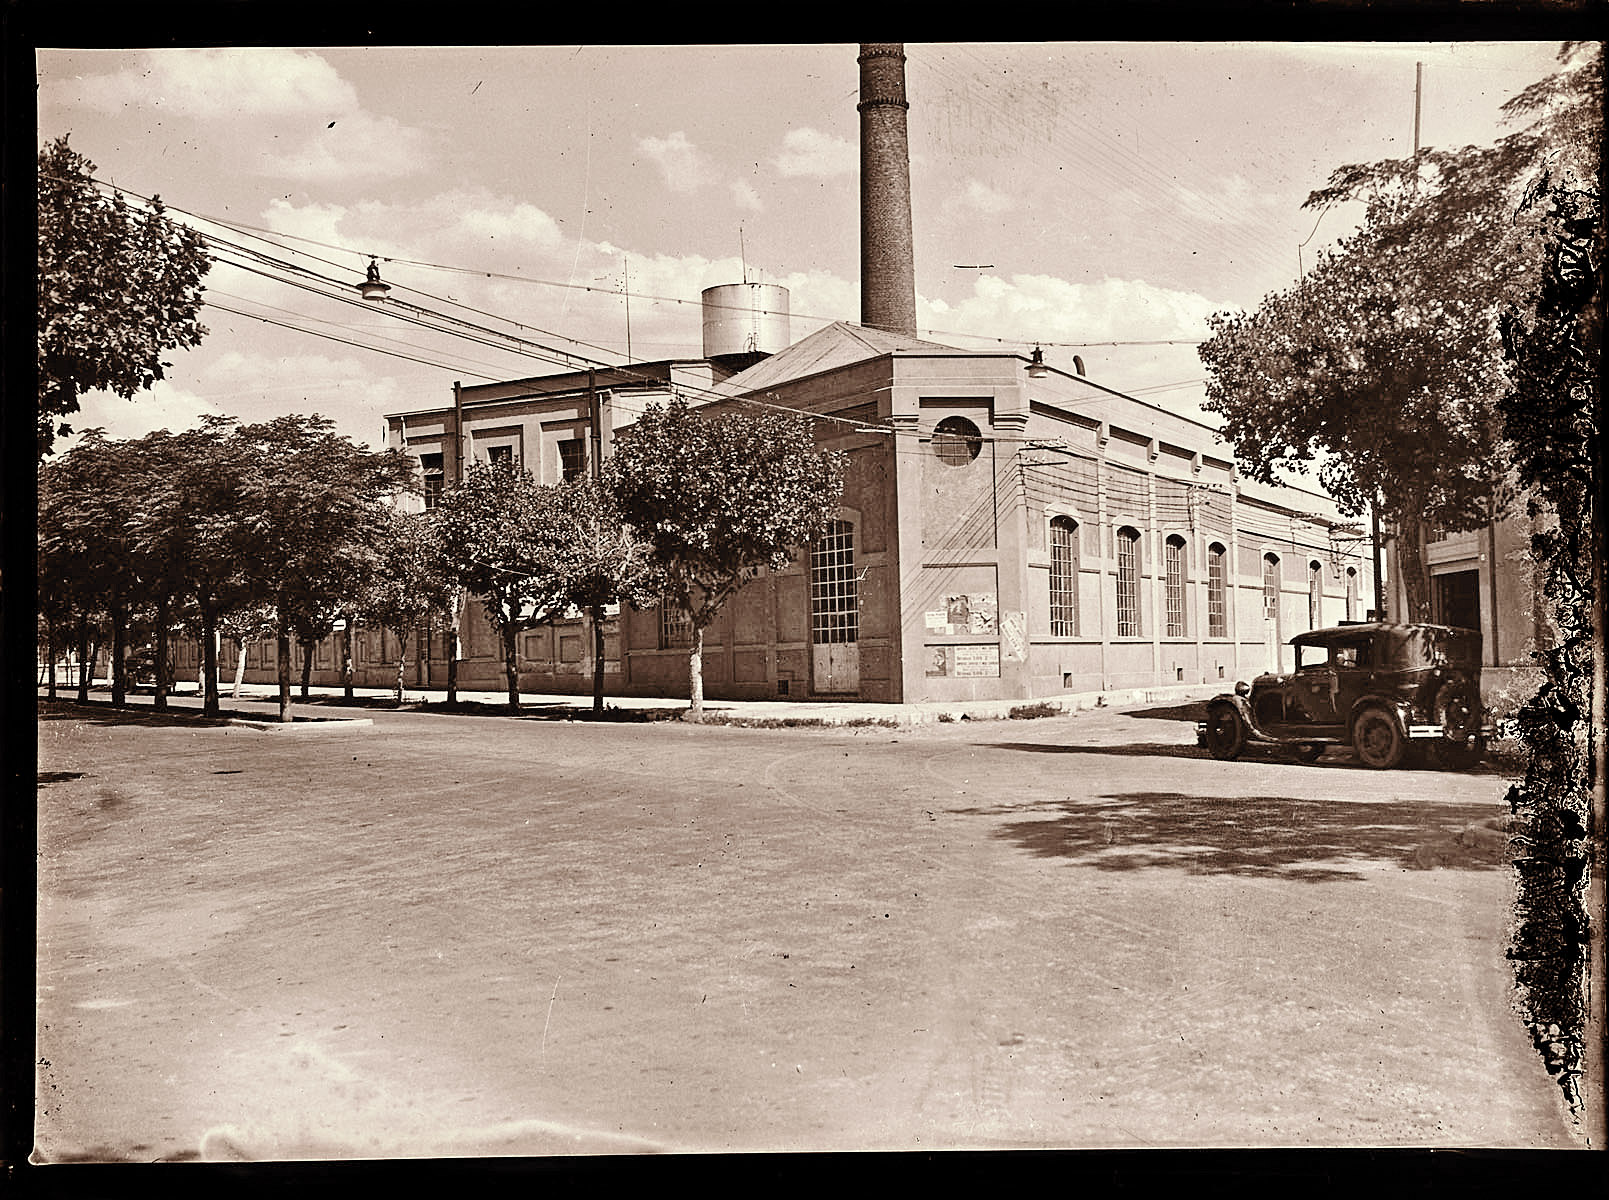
x=163, y=407
x=1055, y=310
x=223, y=83
x=979, y=197
x=685, y=166
x=355, y=146
x=810, y=152
x=745, y=197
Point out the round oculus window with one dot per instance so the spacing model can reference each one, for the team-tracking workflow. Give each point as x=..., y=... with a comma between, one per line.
x=956, y=441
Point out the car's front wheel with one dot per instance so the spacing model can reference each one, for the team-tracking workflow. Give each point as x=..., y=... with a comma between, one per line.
x=1377, y=739
x=1226, y=736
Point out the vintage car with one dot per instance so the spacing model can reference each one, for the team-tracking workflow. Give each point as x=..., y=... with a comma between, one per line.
x=1385, y=690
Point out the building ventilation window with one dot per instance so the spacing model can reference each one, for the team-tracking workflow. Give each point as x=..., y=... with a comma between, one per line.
x=1128, y=582
x=572, y=459
x=435, y=478
x=1173, y=552
x=1217, y=588
x=834, y=590
x=956, y=441
x=675, y=625
x=1063, y=577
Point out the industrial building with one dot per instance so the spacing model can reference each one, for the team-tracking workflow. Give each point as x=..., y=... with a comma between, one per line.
x=1008, y=530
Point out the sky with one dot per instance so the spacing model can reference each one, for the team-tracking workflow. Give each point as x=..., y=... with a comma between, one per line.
x=577, y=199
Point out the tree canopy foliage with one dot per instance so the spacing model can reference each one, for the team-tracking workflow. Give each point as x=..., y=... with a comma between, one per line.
x=1381, y=368
x=720, y=497
x=118, y=288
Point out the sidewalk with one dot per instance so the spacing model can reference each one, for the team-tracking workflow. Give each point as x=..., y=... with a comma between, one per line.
x=763, y=713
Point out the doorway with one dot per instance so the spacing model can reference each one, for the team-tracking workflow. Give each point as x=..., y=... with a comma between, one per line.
x=1458, y=599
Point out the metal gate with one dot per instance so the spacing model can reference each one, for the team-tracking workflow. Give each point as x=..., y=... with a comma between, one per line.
x=835, y=612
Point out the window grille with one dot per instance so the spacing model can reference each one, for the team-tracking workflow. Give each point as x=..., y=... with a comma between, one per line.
x=956, y=441
x=1270, y=587
x=435, y=478
x=572, y=459
x=1128, y=583
x=834, y=590
x=1217, y=605
x=1063, y=577
x=675, y=625
x=1174, y=554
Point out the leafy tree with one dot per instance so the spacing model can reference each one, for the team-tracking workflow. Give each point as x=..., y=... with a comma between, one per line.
x=719, y=498
x=496, y=529
x=308, y=496
x=118, y=288
x=411, y=581
x=597, y=558
x=1554, y=346
x=1383, y=365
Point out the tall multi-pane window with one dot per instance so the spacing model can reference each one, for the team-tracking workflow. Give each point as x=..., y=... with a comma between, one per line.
x=675, y=625
x=1270, y=587
x=834, y=591
x=1217, y=588
x=1128, y=582
x=435, y=478
x=572, y=458
x=1315, y=594
x=1063, y=577
x=1173, y=557
x=1351, y=593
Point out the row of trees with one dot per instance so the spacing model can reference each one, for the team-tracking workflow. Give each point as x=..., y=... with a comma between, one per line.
x=287, y=526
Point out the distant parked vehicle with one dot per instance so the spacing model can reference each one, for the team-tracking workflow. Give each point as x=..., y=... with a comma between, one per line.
x=141, y=667
x=1382, y=689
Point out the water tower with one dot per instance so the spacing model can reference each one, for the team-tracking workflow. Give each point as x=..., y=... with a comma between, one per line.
x=745, y=318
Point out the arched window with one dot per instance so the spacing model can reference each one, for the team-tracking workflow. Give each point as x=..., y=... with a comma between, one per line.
x=956, y=441
x=1128, y=582
x=1063, y=577
x=1173, y=558
x=1270, y=587
x=1217, y=592
x=1315, y=594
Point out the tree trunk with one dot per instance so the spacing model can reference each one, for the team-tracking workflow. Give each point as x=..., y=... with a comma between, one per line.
x=119, y=650
x=50, y=653
x=1411, y=564
x=307, y=664
x=511, y=664
x=597, y=660
x=402, y=659
x=695, y=676
x=83, y=658
x=346, y=659
x=209, y=660
x=240, y=666
x=282, y=646
x=163, y=675
x=453, y=650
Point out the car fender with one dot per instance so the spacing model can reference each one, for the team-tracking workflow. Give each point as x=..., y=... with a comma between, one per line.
x=1242, y=705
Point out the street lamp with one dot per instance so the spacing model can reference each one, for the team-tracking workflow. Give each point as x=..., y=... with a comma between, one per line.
x=373, y=287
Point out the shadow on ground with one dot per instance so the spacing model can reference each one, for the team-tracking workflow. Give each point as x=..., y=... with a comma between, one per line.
x=104, y=712
x=1280, y=837
x=1192, y=712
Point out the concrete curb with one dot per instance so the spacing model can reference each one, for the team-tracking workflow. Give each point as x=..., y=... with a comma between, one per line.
x=301, y=724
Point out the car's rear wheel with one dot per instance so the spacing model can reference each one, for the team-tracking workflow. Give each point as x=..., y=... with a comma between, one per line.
x=1377, y=739
x=1458, y=711
x=1226, y=736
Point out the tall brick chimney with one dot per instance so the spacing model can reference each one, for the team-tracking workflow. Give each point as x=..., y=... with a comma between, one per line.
x=887, y=255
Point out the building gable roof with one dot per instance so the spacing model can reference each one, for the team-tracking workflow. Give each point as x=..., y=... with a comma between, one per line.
x=839, y=344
